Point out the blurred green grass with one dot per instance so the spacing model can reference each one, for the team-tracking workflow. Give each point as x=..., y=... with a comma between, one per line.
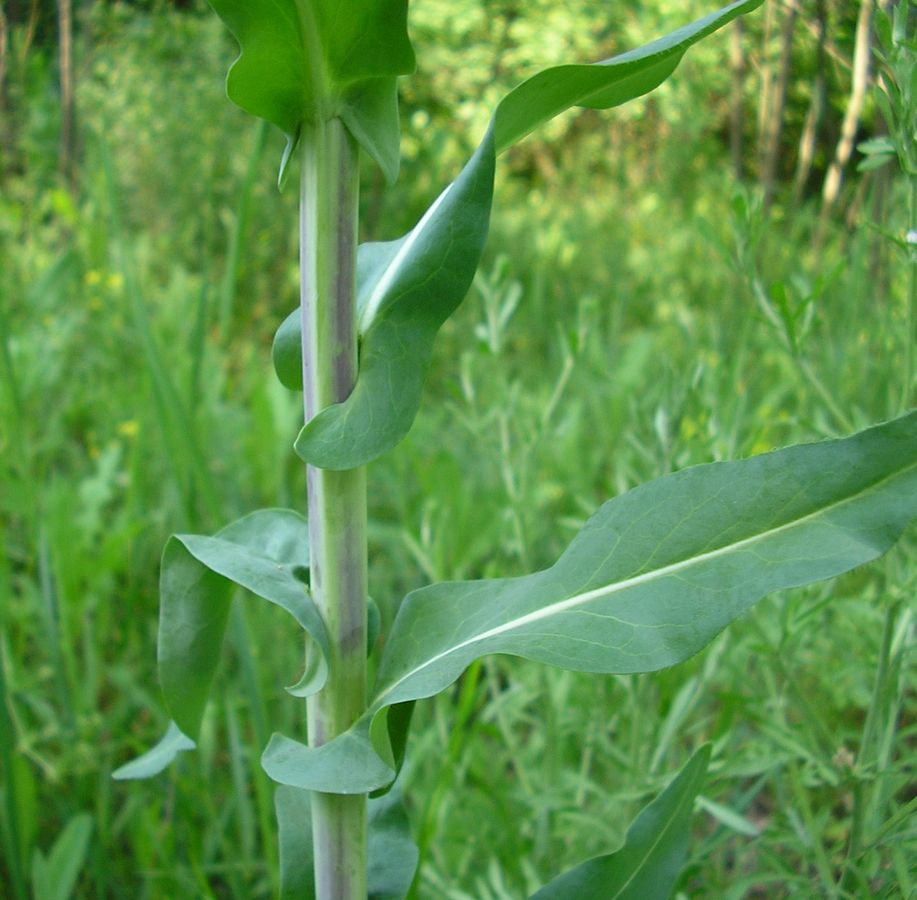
x=613, y=334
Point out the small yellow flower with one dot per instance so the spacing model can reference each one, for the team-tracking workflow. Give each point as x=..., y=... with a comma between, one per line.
x=129, y=429
x=93, y=277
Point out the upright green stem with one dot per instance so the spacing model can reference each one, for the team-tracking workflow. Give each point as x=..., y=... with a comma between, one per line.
x=337, y=500
x=910, y=335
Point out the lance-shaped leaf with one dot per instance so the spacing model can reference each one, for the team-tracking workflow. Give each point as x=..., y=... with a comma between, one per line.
x=654, y=850
x=266, y=553
x=409, y=287
x=653, y=576
x=391, y=853
x=304, y=61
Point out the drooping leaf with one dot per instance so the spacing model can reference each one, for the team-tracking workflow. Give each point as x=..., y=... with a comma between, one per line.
x=157, y=758
x=304, y=61
x=408, y=288
x=653, y=576
x=391, y=852
x=266, y=553
x=654, y=851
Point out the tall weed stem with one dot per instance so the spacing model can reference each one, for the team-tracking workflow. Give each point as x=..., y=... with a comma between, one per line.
x=337, y=500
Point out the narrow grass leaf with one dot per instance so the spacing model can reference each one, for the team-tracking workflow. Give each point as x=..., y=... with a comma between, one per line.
x=301, y=63
x=294, y=824
x=266, y=553
x=653, y=576
x=729, y=817
x=54, y=877
x=425, y=275
x=157, y=758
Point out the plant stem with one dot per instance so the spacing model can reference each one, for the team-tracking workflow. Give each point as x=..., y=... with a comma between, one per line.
x=337, y=500
x=910, y=335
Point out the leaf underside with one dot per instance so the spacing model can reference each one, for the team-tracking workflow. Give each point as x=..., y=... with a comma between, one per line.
x=158, y=757
x=266, y=553
x=304, y=62
x=409, y=287
x=655, y=848
x=652, y=577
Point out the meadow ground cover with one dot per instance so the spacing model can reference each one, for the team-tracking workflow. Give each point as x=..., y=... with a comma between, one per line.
x=621, y=337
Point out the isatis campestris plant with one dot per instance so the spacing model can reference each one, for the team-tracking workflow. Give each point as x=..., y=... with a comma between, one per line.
x=653, y=576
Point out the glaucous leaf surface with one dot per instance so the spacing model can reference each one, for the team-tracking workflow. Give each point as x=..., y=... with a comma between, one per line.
x=653, y=576
x=303, y=62
x=414, y=284
x=420, y=280
x=157, y=758
x=654, y=850
x=266, y=553
x=391, y=852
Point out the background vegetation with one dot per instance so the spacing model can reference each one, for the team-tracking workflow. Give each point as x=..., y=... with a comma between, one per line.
x=683, y=280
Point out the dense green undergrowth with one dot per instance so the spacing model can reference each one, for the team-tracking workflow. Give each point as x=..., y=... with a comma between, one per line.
x=619, y=339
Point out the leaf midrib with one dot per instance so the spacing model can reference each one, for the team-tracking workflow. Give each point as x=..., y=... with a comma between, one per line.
x=607, y=590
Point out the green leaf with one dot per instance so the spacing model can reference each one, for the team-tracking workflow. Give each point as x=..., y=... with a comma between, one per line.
x=157, y=758
x=653, y=577
x=654, y=850
x=349, y=764
x=419, y=281
x=391, y=853
x=303, y=62
x=266, y=553
x=874, y=161
x=882, y=145
x=605, y=84
x=54, y=877
x=409, y=287
x=294, y=825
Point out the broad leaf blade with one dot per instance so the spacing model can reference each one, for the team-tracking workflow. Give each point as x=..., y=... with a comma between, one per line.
x=349, y=764
x=654, y=851
x=414, y=284
x=427, y=276
x=265, y=553
x=652, y=577
x=304, y=62
x=659, y=571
